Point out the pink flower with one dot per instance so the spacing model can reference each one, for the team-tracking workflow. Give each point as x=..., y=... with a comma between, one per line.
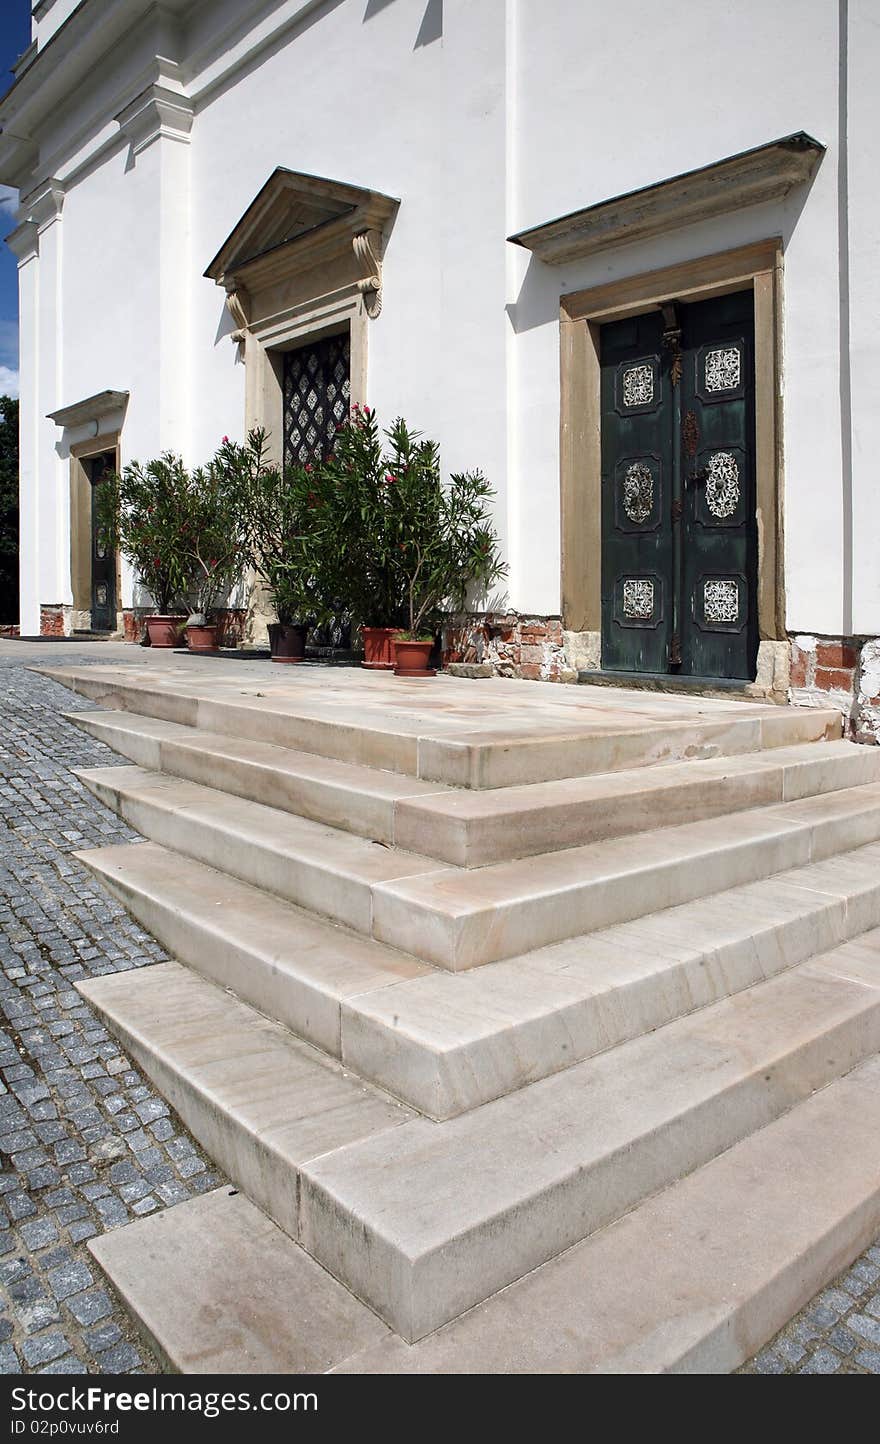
x=225, y=440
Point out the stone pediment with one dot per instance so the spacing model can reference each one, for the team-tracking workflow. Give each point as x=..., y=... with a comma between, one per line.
x=292, y=217
x=763, y=174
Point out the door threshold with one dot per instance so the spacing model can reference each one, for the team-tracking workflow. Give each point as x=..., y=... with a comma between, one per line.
x=736, y=687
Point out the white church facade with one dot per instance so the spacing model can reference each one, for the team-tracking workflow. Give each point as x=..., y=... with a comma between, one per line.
x=623, y=259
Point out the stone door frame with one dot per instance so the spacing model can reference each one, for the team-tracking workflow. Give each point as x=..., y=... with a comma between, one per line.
x=756, y=267
x=81, y=529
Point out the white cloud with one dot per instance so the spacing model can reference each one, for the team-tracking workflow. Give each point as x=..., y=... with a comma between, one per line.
x=8, y=381
x=8, y=202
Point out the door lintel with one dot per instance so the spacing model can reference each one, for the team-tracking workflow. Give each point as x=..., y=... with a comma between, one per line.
x=756, y=267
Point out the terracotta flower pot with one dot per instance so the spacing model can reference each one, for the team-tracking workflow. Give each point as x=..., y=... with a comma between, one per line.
x=165, y=631
x=287, y=642
x=411, y=658
x=377, y=647
x=202, y=638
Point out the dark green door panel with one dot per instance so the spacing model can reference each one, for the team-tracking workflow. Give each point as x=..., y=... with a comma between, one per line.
x=679, y=545
x=719, y=583
x=103, y=616
x=636, y=473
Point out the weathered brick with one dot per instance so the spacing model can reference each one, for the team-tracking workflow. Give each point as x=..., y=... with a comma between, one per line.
x=799, y=667
x=833, y=679
x=835, y=655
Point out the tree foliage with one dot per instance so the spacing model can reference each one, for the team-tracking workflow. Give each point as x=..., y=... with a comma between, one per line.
x=142, y=513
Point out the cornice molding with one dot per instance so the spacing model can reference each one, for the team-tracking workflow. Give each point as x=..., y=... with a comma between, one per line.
x=44, y=204
x=93, y=408
x=157, y=113
x=24, y=242
x=762, y=174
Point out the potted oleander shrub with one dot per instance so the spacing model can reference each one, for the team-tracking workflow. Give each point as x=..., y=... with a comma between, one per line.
x=287, y=539
x=442, y=546
x=214, y=544
x=141, y=512
x=356, y=484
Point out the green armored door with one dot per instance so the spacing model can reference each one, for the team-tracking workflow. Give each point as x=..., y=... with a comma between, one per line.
x=103, y=609
x=679, y=537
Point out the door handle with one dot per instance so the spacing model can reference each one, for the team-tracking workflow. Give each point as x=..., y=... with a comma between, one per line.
x=701, y=475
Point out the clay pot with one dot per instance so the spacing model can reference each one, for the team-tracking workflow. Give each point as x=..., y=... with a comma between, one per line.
x=287, y=641
x=165, y=631
x=377, y=647
x=411, y=658
x=201, y=638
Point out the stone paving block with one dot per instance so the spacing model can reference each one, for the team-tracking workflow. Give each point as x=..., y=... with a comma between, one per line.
x=89, y=1308
x=44, y=1348
x=39, y=1233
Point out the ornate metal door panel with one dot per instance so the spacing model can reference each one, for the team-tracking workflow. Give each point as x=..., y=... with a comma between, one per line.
x=679, y=542
x=719, y=634
x=636, y=473
x=103, y=598
x=317, y=395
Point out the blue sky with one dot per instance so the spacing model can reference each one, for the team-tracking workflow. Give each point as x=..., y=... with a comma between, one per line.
x=15, y=35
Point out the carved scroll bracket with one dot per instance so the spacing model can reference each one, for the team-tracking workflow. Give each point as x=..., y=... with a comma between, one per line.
x=368, y=254
x=238, y=304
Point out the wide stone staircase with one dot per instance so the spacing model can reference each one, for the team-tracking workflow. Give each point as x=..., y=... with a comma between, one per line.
x=539, y=1030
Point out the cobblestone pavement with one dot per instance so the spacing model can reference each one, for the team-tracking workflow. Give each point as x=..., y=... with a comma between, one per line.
x=85, y=1142
x=838, y=1333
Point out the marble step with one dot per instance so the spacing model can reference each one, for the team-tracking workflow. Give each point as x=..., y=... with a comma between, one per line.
x=457, y=918
x=474, y=829
x=425, y=1220
x=340, y=794
x=292, y=966
x=329, y=872
x=470, y=828
x=461, y=919
x=211, y=1282
x=694, y=1280
x=430, y=1220
x=445, y=1042
x=261, y=1102
x=473, y=738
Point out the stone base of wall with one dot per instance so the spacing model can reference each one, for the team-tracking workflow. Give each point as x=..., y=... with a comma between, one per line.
x=841, y=672
x=808, y=671
x=232, y=623
x=55, y=620
x=511, y=644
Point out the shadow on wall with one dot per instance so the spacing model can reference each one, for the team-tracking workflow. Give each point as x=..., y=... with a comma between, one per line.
x=537, y=303
x=431, y=28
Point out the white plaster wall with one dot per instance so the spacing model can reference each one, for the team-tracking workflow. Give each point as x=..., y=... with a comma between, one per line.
x=355, y=97
x=610, y=98
x=521, y=111
x=861, y=383
x=29, y=518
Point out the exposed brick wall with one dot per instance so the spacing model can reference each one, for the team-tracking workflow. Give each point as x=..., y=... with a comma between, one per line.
x=513, y=645
x=867, y=719
x=53, y=621
x=231, y=620
x=133, y=623
x=842, y=672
